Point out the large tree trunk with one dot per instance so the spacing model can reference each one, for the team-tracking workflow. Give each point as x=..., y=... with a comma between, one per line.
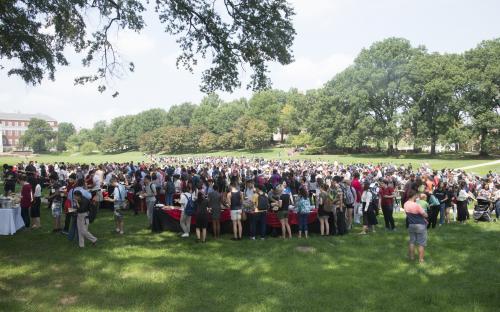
x=282, y=135
x=414, y=131
x=390, y=147
x=433, y=146
x=482, y=144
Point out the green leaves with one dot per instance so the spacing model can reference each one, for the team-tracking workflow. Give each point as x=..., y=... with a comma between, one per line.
x=237, y=33
x=38, y=135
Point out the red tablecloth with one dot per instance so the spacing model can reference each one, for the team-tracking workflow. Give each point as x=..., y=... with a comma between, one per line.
x=272, y=217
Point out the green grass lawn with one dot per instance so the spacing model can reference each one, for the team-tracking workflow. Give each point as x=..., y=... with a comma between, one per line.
x=140, y=271
x=436, y=162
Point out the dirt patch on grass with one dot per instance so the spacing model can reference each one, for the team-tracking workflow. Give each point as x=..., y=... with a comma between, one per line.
x=305, y=249
x=68, y=300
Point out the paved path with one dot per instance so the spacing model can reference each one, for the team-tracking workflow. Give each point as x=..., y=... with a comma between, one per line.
x=481, y=165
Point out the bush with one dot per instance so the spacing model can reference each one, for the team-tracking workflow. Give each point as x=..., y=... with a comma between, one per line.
x=313, y=150
x=88, y=148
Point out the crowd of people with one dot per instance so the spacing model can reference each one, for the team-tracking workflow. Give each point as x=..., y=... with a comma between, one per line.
x=342, y=195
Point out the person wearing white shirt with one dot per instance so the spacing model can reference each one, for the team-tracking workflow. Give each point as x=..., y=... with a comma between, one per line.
x=369, y=217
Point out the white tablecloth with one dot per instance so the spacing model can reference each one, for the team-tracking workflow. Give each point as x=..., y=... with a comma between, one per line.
x=10, y=220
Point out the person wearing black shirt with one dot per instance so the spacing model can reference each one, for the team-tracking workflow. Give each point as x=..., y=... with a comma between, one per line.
x=442, y=195
x=82, y=209
x=9, y=177
x=201, y=218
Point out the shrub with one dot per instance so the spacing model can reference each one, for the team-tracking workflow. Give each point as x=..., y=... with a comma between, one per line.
x=88, y=148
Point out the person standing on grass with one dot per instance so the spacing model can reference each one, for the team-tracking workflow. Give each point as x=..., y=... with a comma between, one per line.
x=368, y=208
x=82, y=206
x=462, y=201
x=215, y=205
x=35, y=207
x=325, y=209
x=358, y=209
x=185, y=221
x=285, y=201
x=55, y=201
x=150, y=194
x=235, y=200
x=303, y=210
x=442, y=195
x=119, y=196
x=26, y=200
x=417, y=226
x=261, y=204
x=350, y=200
x=386, y=197
x=201, y=218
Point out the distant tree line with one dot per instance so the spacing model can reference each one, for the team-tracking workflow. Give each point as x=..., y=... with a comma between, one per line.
x=392, y=93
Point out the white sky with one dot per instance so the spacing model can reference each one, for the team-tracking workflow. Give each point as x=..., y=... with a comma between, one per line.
x=330, y=33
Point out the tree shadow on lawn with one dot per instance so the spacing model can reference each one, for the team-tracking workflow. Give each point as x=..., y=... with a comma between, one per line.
x=161, y=272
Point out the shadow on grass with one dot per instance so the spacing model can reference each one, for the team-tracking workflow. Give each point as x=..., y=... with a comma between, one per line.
x=142, y=271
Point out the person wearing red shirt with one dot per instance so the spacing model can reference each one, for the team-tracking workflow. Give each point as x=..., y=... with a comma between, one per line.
x=26, y=200
x=386, y=199
x=359, y=190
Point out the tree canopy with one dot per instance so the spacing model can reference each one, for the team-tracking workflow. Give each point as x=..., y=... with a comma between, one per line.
x=36, y=35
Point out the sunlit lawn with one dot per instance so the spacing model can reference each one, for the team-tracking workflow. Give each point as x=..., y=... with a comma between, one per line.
x=140, y=271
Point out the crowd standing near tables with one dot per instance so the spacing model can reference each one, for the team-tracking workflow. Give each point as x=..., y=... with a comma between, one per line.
x=203, y=187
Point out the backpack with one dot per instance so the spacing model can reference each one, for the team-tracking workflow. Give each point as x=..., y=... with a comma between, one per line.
x=189, y=210
x=375, y=194
x=348, y=195
x=328, y=203
x=263, y=202
x=304, y=206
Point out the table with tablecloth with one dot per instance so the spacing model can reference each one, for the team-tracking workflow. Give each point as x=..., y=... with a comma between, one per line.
x=168, y=220
x=10, y=220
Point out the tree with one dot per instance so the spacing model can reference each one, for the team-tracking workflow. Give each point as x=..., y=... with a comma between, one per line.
x=433, y=75
x=64, y=131
x=256, y=135
x=206, y=113
x=76, y=140
x=230, y=33
x=483, y=91
x=266, y=106
x=180, y=115
x=88, y=148
x=37, y=136
x=208, y=142
x=381, y=75
x=98, y=132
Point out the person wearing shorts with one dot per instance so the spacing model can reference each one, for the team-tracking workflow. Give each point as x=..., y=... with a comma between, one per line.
x=286, y=200
x=235, y=199
x=417, y=226
x=325, y=210
x=119, y=196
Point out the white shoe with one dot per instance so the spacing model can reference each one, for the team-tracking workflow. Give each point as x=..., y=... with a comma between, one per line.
x=185, y=235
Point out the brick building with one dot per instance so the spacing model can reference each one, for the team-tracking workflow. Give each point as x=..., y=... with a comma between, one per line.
x=13, y=126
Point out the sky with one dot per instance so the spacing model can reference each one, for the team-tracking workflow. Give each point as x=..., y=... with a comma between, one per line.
x=330, y=34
